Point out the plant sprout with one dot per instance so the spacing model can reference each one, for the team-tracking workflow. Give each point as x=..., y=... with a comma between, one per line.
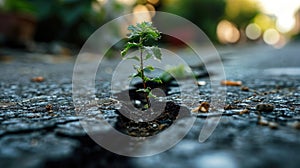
x=144, y=37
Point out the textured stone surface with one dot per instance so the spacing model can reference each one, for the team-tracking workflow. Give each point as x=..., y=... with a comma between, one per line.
x=34, y=135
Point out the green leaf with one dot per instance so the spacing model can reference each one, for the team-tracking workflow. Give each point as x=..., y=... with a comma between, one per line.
x=153, y=51
x=138, y=74
x=149, y=68
x=157, y=53
x=177, y=72
x=146, y=106
x=144, y=31
x=146, y=79
x=124, y=52
x=147, y=90
x=148, y=56
x=141, y=90
x=127, y=47
x=136, y=67
x=157, y=80
x=150, y=94
x=152, y=35
x=134, y=58
x=130, y=77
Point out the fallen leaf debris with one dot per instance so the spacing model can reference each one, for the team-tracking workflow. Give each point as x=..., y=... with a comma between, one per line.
x=38, y=79
x=203, y=107
x=231, y=83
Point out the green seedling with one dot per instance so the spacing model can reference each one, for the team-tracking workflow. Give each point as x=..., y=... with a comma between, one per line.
x=144, y=37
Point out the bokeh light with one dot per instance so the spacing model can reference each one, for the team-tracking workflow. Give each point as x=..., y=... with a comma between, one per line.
x=126, y=2
x=271, y=36
x=253, y=31
x=283, y=10
x=96, y=5
x=154, y=2
x=264, y=22
x=102, y=1
x=285, y=23
x=227, y=32
x=140, y=17
x=296, y=29
x=151, y=8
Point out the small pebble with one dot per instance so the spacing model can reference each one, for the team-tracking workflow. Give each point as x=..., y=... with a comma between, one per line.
x=201, y=83
x=49, y=108
x=244, y=111
x=273, y=125
x=265, y=107
x=162, y=126
x=154, y=125
x=244, y=88
x=228, y=107
x=137, y=102
x=296, y=125
x=263, y=122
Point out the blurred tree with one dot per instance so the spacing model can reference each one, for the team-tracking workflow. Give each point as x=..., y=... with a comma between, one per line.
x=72, y=21
x=205, y=13
x=296, y=30
x=17, y=23
x=67, y=20
x=241, y=12
x=17, y=6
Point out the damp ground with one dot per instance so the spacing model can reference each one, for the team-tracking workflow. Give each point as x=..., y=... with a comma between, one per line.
x=39, y=126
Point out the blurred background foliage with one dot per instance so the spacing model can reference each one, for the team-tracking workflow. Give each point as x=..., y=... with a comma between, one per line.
x=205, y=13
x=241, y=12
x=73, y=21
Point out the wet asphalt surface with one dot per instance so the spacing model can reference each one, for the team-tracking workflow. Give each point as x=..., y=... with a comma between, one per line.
x=39, y=127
